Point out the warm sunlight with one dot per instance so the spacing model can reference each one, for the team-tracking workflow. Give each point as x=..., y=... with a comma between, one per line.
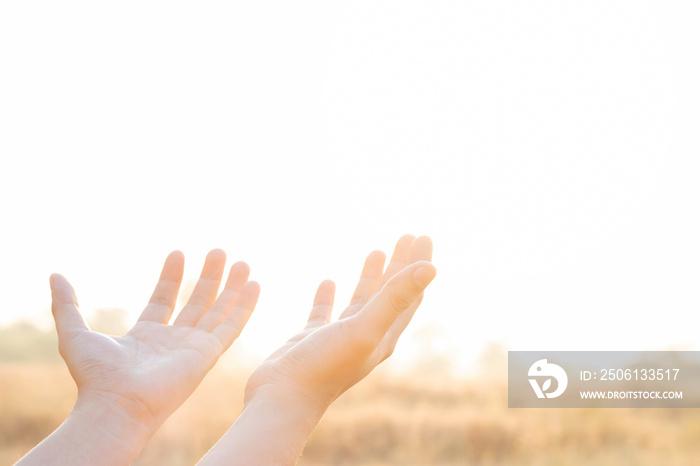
x=380, y=128
x=549, y=150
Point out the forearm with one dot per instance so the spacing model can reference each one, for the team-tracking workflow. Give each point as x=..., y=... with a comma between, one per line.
x=95, y=432
x=271, y=430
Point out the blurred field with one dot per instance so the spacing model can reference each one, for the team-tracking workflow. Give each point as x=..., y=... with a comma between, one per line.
x=385, y=420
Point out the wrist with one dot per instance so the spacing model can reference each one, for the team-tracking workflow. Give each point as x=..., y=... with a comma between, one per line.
x=124, y=422
x=98, y=431
x=273, y=428
x=312, y=401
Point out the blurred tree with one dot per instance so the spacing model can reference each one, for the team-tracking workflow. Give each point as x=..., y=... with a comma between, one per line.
x=25, y=342
x=493, y=360
x=435, y=353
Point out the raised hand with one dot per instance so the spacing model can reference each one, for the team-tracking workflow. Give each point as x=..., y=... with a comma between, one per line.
x=154, y=367
x=287, y=395
x=325, y=359
x=128, y=385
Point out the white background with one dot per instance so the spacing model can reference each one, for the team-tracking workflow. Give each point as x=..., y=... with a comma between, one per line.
x=549, y=148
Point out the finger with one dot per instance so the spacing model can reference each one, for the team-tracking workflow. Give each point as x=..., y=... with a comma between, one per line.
x=421, y=250
x=237, y=277
x=323, y=305
x=205, y=290
x=64, y=307
x=399, y=259
x=404, y=290
x=228, y=330
x=160, y=306
x=396, y=329
x=368, y=283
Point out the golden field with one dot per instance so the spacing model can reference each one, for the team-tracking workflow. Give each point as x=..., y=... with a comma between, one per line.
x=385, y=420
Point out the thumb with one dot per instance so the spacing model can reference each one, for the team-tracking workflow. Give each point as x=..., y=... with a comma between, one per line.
x=403, y=291
x=64, y=306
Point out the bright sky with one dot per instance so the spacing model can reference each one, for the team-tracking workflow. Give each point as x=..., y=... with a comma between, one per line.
x=549, y=148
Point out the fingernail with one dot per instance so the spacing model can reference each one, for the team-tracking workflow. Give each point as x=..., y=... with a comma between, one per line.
x=424, y=275
x=51, y=281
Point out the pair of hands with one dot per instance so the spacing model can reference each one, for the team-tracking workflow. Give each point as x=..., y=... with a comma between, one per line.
x=145, y=375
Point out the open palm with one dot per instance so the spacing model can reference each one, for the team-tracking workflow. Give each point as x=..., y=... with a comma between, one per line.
x=154, y=367
x=325, y=358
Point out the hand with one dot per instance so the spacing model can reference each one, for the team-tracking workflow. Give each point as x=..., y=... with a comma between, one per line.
x=149, y=372
x=325, y=359
x=287, y=395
